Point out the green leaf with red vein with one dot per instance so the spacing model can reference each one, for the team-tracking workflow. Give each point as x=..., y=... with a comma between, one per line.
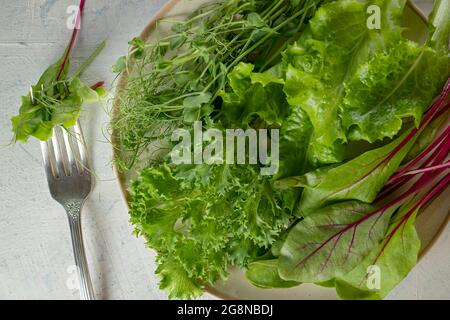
x=359, y=179
x=400, y=256
x=395, y=256
x=333, y=241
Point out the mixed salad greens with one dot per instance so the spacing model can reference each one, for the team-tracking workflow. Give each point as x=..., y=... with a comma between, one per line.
x=358, y=110
x=57, y=98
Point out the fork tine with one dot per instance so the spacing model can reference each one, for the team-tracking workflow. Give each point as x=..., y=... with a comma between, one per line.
x=71, y=156
x=81, y=145
x=60, y=152
x=49, y=158
x=73, y=141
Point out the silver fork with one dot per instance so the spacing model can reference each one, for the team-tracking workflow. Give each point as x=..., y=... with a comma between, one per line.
x=70, y=183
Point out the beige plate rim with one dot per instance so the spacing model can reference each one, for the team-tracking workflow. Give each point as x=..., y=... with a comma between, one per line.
x=163, y=12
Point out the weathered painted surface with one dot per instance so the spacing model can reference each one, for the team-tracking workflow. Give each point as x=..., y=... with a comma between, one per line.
x=35, y=249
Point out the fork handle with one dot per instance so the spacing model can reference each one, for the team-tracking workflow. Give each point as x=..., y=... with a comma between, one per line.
x=86, y=289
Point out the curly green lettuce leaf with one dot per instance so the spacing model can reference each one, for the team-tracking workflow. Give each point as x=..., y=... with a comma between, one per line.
x=328, y=53
x=379, y=94
x=175, y=280
x=260, y=94
x=358, y=83
x=254, y=95
x=203, y=219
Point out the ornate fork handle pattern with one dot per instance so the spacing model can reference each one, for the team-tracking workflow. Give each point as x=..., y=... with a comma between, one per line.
x=73, y=210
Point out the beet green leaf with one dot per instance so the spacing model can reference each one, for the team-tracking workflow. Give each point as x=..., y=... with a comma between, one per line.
x=392, y=266
x=359, y=179
x=333, y=241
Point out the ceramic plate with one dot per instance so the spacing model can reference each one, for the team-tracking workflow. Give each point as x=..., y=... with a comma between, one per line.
x=429, y=224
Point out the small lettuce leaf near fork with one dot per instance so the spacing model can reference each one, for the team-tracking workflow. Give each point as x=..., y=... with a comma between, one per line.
x=55, y=100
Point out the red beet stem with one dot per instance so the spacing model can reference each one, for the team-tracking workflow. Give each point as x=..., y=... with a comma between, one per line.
x=72, y=39
x=97, y=85
x=420, y=157
x=434, y=192
x=445, y=165
x=437, y=158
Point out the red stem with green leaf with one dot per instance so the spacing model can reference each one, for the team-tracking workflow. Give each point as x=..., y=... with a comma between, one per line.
x=72, y=39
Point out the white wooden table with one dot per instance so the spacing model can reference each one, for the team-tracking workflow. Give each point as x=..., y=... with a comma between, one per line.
x=35, y=248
